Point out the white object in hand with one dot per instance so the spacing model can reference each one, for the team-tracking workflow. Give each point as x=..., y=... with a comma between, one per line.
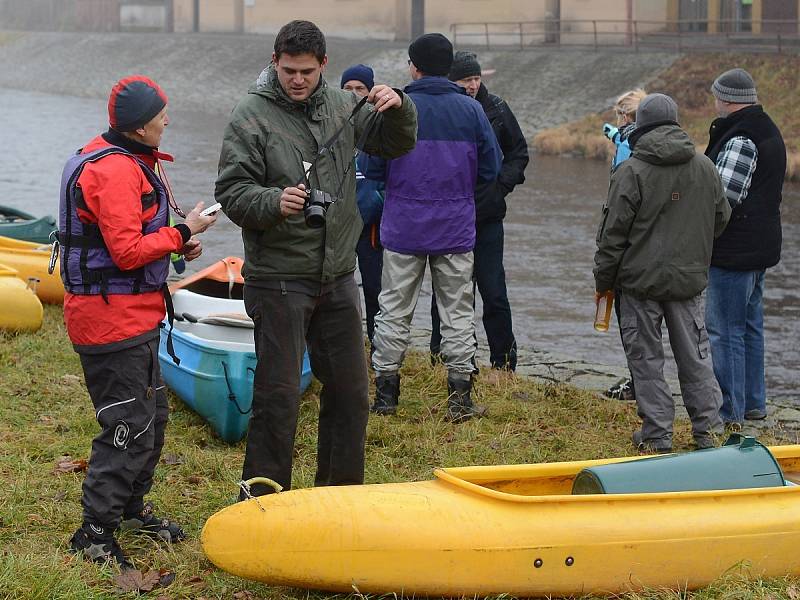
x=211, y=209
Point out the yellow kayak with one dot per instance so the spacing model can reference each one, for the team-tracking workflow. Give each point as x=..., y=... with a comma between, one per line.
x=30, y=260
x=518, y=530
x=20, y=309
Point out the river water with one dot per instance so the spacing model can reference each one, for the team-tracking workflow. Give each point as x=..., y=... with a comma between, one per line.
x=550, y=227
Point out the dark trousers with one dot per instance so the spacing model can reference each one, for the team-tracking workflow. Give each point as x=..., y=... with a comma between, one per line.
x=328, y=322
x=490, y=278
x=617, y=310
x=130, y=403
x=370, y=264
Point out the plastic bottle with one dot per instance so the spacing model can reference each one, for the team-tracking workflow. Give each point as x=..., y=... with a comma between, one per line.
x=602, y=317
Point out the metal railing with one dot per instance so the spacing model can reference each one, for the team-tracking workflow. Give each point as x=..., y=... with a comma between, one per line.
x=768, y=35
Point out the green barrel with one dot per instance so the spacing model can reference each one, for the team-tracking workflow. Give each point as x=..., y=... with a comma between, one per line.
x=742, y=462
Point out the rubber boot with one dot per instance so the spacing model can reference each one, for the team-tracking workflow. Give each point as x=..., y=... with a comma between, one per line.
x=387, y=394
x=459, y=402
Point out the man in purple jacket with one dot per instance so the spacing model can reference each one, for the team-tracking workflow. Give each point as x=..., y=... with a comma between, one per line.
x=429, y=217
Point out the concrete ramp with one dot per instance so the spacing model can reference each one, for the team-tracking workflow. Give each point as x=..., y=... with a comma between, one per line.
x=210, y=72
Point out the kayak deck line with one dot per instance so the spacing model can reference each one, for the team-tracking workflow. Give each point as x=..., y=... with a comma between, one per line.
x=552, y=482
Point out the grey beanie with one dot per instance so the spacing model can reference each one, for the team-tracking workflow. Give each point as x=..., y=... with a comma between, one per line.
x=736, y=86
x=465, y=64
x=656, y=109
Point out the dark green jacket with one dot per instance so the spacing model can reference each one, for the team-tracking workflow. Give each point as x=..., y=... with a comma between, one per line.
x=665, y=207
x=265, y=143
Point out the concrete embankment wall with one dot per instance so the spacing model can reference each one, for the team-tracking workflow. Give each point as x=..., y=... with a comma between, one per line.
x=208, y=72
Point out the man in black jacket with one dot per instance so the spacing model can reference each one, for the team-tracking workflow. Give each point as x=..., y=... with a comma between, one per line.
x=750, y=155
x=490, y=209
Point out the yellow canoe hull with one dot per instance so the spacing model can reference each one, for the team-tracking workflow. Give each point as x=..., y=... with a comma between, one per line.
x=20, y=309
x=30, y=261
x=507, y=529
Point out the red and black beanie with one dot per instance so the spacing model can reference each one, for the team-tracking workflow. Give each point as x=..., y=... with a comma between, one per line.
x=134, y=101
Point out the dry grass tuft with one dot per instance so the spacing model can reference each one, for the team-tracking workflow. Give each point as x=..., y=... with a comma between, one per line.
x=688, y=81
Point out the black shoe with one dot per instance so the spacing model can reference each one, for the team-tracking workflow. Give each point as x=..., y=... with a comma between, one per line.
x=650, y=446
x=146, y=522
x=704, y=442
x=387, y=394
x=459, y=402
x=755, y=415
x=621, y=391
x=98, y=545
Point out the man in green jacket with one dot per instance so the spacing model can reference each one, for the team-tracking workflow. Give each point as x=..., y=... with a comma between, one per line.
x=290, y=134
x=665, y=207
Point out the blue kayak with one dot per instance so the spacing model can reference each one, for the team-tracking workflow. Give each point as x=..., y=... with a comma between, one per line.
x=214, y=342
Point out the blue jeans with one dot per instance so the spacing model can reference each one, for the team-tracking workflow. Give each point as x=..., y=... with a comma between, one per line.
x=735, y=323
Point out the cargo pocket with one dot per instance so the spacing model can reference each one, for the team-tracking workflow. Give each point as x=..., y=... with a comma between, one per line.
x=702, y=337
x=629, y=326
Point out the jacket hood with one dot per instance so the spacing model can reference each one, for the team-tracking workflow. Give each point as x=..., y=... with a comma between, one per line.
x=268, y=86
x=665, y=145
x=434, y=85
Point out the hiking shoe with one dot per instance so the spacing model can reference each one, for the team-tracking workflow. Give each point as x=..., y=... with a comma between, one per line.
x=146, y=522
x=733, y=427
x=621, y=391
x=98, y=545
x=650, y=446
x=704, y=442
x=755, y=415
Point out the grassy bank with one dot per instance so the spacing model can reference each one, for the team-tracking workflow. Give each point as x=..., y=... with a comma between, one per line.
x=688, y=81
x=45, y=414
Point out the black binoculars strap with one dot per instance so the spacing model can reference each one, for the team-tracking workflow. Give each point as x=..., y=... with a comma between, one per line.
x=359, y=144
x=332, y=140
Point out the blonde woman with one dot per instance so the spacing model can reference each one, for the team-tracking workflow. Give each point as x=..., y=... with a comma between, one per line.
x=625, y=108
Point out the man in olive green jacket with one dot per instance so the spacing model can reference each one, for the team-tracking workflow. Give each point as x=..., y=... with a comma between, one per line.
x=665, y=207
x=292, y=133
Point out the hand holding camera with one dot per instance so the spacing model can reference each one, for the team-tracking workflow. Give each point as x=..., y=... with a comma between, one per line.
x=313, y=204
x=293, y=200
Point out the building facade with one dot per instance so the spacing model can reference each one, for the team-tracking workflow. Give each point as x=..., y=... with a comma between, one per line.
x=511, y=21
x=392, y=20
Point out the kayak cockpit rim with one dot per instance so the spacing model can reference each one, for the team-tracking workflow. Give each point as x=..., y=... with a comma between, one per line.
x=479, y=480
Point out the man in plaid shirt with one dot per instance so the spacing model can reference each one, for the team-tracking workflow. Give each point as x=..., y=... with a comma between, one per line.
x=750, y=155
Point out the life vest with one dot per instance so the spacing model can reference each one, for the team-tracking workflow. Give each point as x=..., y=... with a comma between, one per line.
x=86, y=264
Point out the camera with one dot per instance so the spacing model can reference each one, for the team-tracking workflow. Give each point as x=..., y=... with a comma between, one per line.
x=316, y=206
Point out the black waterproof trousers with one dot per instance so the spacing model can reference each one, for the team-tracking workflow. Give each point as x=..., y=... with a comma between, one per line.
x=289, y=316
x=130, y=404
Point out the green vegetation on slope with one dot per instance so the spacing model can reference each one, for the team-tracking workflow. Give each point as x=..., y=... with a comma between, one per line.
x=688, y=81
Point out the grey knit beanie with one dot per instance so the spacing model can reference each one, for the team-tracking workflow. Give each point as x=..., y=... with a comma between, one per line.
x=656, y=108
x=735, y=86
x=465, y=64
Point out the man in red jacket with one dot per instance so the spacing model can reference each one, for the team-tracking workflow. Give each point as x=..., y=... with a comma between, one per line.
x=116, y=242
